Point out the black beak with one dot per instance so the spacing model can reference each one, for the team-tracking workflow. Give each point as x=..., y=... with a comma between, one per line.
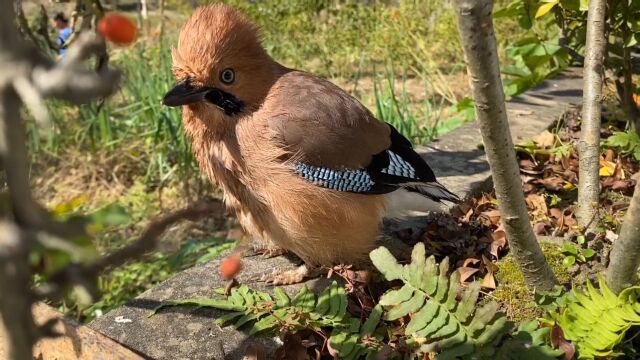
x=184, y=94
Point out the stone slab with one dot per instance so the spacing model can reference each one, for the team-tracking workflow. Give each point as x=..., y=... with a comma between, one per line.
x=188, y=333
x=77, y=342
x=457, y=159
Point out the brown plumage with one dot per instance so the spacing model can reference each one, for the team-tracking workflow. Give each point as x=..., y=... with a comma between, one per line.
x=264, y=133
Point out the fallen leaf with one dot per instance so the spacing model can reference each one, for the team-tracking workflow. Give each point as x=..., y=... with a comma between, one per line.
x=609, y=155
x=552, y=183
x=539, y=228
x=470, y=261
x=558, y=341
x=545, y=139
x=492, y=216
x=489, y=265
x=255, y=352
x=498, y=242
x=537, y=203
x=607, y=168
x=555, y=213
x=489, y=282
x=292, y=348
x=466, y=273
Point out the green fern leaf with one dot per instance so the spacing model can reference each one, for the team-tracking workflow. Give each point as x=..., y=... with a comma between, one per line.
x=596, y=321
x=439, y=321
x=347, y=341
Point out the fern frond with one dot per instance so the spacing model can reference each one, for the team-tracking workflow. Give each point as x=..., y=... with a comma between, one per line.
x=357, y=341
x=597, y=320
x=441, y=322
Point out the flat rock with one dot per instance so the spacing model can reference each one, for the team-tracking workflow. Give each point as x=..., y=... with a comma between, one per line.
x=457, y=158
x=188, y=333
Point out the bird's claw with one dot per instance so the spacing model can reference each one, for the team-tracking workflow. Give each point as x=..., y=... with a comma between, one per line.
x=266, y=252
x=285, y=277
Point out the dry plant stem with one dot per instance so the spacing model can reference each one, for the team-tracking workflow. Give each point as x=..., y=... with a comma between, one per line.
x=148, y=239
x=589, y=144
x=479, y=43
x=15, y=305
x=625, y=255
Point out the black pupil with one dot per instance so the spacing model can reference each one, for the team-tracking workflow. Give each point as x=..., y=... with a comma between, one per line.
x=227, y=76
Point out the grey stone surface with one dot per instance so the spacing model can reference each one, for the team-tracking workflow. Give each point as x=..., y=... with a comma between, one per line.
x=457, y=158
x=188, y=333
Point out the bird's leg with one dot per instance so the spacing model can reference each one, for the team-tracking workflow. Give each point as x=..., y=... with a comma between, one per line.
x=289, y=277
x=267, y=250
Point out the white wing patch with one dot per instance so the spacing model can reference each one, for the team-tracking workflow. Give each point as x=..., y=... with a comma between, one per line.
x=399, y=167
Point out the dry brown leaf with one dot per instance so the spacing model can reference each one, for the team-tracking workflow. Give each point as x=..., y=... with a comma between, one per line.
x=292, y=348
x=552, y=183
x=489, y=265
x=489, y=281
x=537, y=203
x=545, y=139
x=492, y=216
x=539, y=228
x=499, y=241
x=466, y=273
x=255, y=352
x=556, y=213
x=622, y=185
x=609, y=155
x=470, y=261
x=558, y=341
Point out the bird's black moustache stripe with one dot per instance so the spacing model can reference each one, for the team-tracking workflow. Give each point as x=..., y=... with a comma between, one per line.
x=184, y=94
x=224, y=100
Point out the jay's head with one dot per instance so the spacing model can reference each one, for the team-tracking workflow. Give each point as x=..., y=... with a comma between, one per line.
x=222, y=70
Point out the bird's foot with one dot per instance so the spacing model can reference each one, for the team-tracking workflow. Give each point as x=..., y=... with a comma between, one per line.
x=290, y=277
x=267, y=252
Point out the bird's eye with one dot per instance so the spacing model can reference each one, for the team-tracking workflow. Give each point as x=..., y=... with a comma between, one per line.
x=227, y=76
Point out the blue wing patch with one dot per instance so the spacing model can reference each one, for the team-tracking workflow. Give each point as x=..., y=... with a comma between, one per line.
x=341, y=180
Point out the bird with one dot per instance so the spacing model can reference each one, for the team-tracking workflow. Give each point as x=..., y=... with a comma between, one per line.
x=305, y=166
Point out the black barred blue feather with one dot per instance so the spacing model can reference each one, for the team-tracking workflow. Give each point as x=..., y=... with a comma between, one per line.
x=392, y=169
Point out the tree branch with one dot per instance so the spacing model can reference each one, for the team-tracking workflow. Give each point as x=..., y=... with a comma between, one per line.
x=478, y=39
x=589, y=144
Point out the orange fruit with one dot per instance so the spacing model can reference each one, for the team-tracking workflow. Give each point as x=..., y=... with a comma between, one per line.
x=230, y=266
x=117, y=28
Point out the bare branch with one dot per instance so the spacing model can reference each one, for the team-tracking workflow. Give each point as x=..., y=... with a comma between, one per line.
x=479, y=43
x=589, y=144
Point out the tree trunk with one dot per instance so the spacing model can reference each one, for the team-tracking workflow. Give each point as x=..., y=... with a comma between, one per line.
x=479, y=43
x=15, y=275
x=625, y=255
x=589, y=144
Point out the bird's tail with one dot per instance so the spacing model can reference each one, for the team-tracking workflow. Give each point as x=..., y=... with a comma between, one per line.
x=433, y=190
x=418, y=199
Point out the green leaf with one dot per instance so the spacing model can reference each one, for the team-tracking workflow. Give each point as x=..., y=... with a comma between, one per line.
x=372, y=321
x=199, y=302
x=570, y=248
x=282, y=299
x=386, y=263
x=568, y=261
x=580, y=239
x=545, y=8
x=588, y=253
x=304, y=299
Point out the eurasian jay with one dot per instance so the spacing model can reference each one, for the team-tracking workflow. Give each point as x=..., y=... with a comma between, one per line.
x=305, y=166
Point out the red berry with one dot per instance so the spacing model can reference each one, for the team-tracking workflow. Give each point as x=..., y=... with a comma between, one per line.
x=117, y=29
x=230, y=266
